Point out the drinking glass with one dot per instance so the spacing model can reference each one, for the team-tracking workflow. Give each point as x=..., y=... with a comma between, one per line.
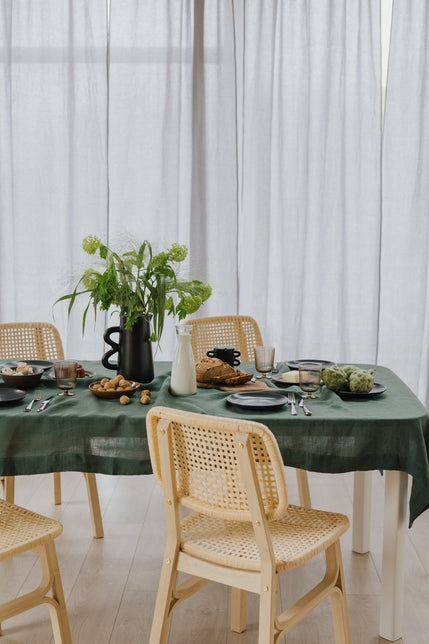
x=65, y=376
x=264, y=360
x=309, y=378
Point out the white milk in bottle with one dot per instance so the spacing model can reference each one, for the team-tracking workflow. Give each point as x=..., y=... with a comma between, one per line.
x=183, y=376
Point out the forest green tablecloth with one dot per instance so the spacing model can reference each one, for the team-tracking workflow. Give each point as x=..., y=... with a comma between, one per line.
x=84, y=433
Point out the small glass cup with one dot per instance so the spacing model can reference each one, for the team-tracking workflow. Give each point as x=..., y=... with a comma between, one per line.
x=264, y=360
x=309, y=378
x=65, y=376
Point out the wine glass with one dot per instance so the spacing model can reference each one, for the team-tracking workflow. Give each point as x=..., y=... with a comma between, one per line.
x=65, y=376
x=309, y=378
x=264, y=360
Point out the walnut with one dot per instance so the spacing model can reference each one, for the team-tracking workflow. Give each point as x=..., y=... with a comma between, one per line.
x=124, y=400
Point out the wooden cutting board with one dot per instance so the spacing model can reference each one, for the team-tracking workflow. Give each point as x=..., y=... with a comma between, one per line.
x=248, y=386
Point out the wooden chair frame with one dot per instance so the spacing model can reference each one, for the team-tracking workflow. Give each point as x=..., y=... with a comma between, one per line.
x=222, y=468
x=42, y=341
x=22, y=531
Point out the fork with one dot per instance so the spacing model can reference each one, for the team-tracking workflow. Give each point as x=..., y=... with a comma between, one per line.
x=291, y=401
x=36, y=396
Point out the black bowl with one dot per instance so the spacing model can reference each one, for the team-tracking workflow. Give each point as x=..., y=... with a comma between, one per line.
x=21, y=381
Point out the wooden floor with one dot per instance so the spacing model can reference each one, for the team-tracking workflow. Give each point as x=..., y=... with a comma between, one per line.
x=110, y=584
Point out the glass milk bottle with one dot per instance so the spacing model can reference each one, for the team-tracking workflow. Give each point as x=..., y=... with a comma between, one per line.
x=183, y=376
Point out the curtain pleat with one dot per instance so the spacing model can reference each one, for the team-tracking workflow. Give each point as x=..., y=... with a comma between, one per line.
x=404, y=288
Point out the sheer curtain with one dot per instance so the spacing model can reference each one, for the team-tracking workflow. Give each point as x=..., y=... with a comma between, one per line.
x=251, y=131
x=120, y=123
x=52, y=151
x=310, y=216
x=404, y=287
x=172, y=136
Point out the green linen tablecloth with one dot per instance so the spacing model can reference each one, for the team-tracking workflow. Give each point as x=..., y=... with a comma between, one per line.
x=87, y=434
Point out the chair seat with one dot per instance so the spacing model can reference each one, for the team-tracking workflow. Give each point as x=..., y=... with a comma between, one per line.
x=296, y=538
x=22, y=530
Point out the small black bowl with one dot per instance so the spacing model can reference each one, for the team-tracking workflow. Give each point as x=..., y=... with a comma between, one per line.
x=21, y=381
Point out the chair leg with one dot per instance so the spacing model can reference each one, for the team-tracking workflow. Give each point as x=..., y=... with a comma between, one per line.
x=164, y=603
x=56, y=488
x=49, y=591
x=94, y=505
x=56, y=604
x=303, y=488
x=238, y=610
x=340, y=612
x=268, y=611
x=8, y=483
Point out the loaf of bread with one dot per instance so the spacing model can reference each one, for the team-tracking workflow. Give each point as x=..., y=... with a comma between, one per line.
x=213, y=370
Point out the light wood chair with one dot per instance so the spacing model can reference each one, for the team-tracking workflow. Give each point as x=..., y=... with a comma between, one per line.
x=42, y=341
x=239, y=331
x=22, y=531
x=241, y=530
x=243, y=333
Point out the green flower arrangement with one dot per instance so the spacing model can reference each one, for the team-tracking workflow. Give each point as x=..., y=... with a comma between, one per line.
x=138, y=283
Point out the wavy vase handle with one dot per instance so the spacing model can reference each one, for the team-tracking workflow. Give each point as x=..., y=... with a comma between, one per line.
x=115, y=347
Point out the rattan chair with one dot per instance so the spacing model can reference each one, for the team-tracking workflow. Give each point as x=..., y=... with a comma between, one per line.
x=241, y=530
x=239, y=331
x=22, y=531
x=243, y=333
x=42, y=341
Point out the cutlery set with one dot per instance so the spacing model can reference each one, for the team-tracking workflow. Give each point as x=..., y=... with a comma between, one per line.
x=292, y=402
x=36, y=397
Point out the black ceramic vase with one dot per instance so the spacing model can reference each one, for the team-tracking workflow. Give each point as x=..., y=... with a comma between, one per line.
x=134, y=350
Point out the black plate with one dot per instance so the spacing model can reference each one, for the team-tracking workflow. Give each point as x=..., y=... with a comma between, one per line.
x=281, y=382
x=358, y=395
x=258, y=399
x=42, y=364
x=11, y=395
x=293, y=364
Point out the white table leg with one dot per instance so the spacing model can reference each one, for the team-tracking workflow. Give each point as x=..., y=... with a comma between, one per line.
x=362, y=483
x=392, y=573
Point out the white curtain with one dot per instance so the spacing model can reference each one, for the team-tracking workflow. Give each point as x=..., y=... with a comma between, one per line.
x=121, y=128
x=172, y=135
x=310, y=218
x=404, y=286
x=53, y=150
x=251, y=131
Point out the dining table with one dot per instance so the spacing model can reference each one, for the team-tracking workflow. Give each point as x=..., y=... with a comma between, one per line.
x=387, y=432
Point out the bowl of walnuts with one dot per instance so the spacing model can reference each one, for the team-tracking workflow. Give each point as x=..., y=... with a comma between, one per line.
x=113, y=387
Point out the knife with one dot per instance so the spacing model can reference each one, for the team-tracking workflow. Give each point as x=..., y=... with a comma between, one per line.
x=307, y=412
x=45, y=403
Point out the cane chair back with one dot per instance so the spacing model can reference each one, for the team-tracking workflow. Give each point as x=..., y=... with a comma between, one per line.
x=23, y=531
x=243, y=333
x=240, y=530
x=42, y=341
x=30, y=341
x=239, y=331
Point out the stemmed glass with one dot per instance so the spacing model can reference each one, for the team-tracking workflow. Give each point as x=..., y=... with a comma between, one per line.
x=65, y=376
x=309, y=378
x=264, y=360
